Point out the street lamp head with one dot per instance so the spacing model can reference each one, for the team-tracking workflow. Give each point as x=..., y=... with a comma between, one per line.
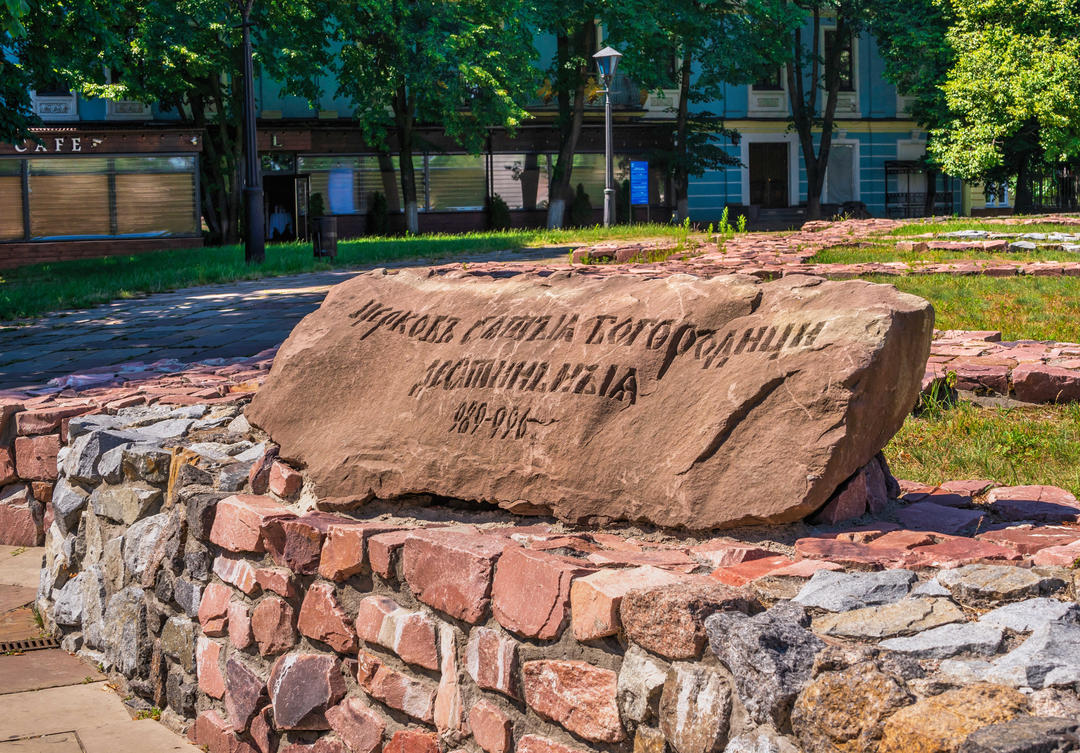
x=607, y=60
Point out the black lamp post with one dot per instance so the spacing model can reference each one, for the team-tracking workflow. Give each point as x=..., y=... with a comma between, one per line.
x=607, y=60
x=255, y=232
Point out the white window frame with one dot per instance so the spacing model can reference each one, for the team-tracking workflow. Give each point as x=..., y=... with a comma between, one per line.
x=847, y=103
x=53, y=108
x=856, y=178
x=126, y=109
x=760, y=101
x=793, y=162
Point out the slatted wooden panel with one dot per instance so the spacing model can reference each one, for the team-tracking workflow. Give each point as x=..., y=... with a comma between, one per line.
x=155, y=204
x=11, y=217
x=69, y=205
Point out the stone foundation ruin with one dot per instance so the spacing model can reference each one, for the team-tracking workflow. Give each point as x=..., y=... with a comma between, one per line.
x=194, y=557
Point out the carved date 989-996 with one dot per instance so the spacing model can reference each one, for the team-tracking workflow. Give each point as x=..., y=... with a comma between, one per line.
x=506, y=421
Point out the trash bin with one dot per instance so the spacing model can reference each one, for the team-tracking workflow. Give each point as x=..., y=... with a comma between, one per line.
x=324, y=236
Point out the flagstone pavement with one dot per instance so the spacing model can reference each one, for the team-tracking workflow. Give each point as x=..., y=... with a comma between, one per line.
x=192, y=324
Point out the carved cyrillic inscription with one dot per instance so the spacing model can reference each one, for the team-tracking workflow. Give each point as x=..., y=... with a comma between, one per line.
x=619, y=382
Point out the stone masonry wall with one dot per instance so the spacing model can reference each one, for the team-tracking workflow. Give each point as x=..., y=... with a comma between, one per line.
x=192, y=564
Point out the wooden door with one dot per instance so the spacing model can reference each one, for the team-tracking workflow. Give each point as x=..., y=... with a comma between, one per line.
x=769, y=174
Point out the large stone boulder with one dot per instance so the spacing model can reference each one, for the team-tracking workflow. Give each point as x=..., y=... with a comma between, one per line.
x=677, y=401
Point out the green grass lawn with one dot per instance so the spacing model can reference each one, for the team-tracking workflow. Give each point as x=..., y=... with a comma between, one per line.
x=888, y=252
x=974, y=223
x=34, y=290
x=1013, y=446
x=1023, y=308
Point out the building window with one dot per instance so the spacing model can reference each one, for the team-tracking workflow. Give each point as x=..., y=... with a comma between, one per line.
x=846, y=63
x=773, y=82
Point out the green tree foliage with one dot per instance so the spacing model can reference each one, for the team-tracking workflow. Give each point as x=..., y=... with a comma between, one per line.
x=186, y=56
x=696, y=47
x=461, y=65
x=15, y=114
x=1013, y=91
x=912, y=40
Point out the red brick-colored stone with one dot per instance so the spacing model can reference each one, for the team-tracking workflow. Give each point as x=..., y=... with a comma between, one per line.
x=360, y=726
x=491, y=659
x=262, y=731
x=576, y=695
x=297, y=543
x=46, y=420
x=42, y=491
x=302, y=687
x=237, y=571
x=244, y=693
x=531, y=592
x=851, y=553
x=727, y=552
x=259, y=475
x=239, y=520
x=744, y=572
x=7, y=466
x=397, y=690
x=214, y=609
x=240, y=634
x=1029, y=540
x=668, y=559
x=452, y=570
x=35, y=457
x=323, y=619
x=1045, y=504
x=970, y=487
x=345, y=547
x=382, y=549
x=272, y=625
x=215, y=735
x=410, y=635
x=804, y=568
x=325, y=744
x=208, y=667
x=1057, y=556
x=280, y=580
x=447, y=712
x=491, y=728
x=538, y=744
x=954, y=552
x=21, y=521
x=284, y=481
x=1041, y=383
x=670, y=620
x=927, y=516
x=595, y=599
x=412, y=741
x=903, y=540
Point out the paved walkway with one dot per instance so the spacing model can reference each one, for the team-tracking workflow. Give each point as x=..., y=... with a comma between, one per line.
x=53, y=701
x=193, y=324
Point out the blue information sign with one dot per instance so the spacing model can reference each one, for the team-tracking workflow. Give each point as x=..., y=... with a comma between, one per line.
x=639, y=182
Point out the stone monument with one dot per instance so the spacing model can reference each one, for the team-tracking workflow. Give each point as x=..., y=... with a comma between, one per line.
x=676, y=401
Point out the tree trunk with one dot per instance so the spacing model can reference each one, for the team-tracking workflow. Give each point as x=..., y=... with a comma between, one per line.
x=681, y=175
x=803, y=108
x=571, y=117
x=403, y=113
x=931, y=191
x=1023, y=201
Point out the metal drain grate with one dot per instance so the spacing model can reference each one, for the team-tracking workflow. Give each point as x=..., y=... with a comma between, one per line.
x=28, y=644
